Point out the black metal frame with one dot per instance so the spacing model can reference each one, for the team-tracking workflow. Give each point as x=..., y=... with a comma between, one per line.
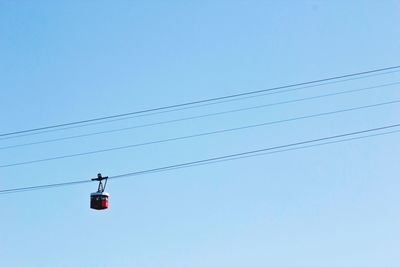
x=100, y=178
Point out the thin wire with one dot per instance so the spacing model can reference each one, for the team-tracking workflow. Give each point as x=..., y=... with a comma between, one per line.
x=231, y=100
x=30, y=188
x=197, y=117
x=254, y=153
x=196, y=106
x=291, y=149
x=196, y=135
x=198, y=102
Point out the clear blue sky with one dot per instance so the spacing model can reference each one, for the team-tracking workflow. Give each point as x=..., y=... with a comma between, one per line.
x=63, y=61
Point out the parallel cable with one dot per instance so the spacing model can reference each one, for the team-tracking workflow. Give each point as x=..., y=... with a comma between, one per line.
x=30, y=188
x=194, y=106
x=255, y=153
x=198, y=102
x=197, y=135
x=199, y=116
x=264, y=151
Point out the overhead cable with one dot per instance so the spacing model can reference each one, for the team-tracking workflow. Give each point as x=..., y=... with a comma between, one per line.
x=196, y=135
x=200, y=101
x=129, y=117
x=199, y=116
x=255, y=153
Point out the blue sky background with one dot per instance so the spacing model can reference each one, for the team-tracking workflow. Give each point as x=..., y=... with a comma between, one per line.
x=63, y=61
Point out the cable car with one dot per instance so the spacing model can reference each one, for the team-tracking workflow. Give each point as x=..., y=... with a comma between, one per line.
x=99, y=199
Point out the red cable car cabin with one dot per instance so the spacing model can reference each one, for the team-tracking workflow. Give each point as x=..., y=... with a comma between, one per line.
x=99, y=200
